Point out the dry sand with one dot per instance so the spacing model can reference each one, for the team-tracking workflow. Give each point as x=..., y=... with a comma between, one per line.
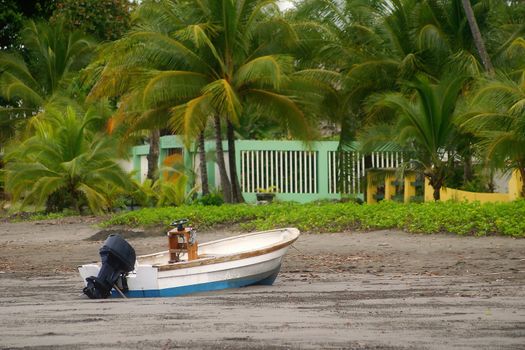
x=371, y=290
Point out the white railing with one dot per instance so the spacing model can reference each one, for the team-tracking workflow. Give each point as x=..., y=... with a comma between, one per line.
x=351, y=177
x=386, y=160
x=286, y=171
x=348, y=181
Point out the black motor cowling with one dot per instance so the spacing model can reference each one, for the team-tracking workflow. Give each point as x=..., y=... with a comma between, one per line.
x=118, y=258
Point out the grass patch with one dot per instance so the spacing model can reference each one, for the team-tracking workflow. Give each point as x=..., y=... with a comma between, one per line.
x=452, y=217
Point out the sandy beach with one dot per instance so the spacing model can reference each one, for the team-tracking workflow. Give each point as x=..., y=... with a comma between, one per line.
x=351, y=290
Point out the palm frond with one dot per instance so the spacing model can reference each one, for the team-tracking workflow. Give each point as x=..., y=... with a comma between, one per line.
x=190, y=118
x=224, y=99
x=64, y=156
x=197, y=34
x=324, y=76
x=265, y=70
x=167, y=87
x=283, y=110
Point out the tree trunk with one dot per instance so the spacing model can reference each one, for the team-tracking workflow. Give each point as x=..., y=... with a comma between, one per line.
x=153, y=156
x=436, y=180
x=478, y=40
x=346, y=137
x=225, y=181
x=491, y=186
x=467, y=169
x=522, y=173
x=75, y=197
x=437, y=193
x=202, y=167
x=236, y=188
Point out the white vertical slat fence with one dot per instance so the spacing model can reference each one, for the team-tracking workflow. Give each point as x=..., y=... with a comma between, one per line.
x=350, y=181
x=296, y=171
x=287, y=171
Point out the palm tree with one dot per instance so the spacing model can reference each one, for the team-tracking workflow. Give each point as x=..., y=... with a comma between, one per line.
x=373, y=46
x=478, y=40
x=497, y=117
x=337, y=40
x=426, y=124
x=42, y=73
x=202, y=165
x=202, y=60
x=38, y=75
x=66, y=163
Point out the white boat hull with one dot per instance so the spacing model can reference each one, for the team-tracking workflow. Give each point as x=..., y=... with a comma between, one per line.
x=228, y=263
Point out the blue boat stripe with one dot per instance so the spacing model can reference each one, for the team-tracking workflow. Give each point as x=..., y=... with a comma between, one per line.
x=266, y=278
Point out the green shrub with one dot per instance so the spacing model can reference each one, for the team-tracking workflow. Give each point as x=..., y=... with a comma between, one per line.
x=435, y=217
x=211, y=199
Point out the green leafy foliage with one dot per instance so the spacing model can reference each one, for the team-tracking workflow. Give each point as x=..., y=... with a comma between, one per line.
x=104, y=19
x=497, y=117
x=426, y=124
x=66, y=164
x=10, y=23
x=14, y=12
x=43, y=74
x=163, y=192
x=193, y=59
x=211, y=199
x=436, y=217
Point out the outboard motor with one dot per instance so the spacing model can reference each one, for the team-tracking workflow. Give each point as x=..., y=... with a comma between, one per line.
x=118, y=258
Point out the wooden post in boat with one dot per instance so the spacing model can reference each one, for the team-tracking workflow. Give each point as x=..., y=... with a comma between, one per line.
x=182, y=241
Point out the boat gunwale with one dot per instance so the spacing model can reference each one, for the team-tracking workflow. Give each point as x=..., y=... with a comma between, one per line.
x=250, y=234
x=224, y=240
x=228, y=257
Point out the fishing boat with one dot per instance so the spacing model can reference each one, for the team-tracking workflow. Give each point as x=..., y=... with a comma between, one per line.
x=187, y=267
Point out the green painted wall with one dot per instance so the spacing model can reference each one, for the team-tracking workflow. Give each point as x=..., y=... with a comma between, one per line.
x=322, y=148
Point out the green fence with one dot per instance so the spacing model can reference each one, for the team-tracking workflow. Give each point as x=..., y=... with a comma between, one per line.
x=298, y=171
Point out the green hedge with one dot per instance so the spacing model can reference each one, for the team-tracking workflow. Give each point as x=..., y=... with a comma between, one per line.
x=459, y=218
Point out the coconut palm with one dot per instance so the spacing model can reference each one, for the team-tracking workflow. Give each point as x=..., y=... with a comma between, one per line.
x=376, y=44
x=373, y=46
x=201, y=61
x=65, y=164
x=339, y=36
x=497, y=117
x=426, y=125
x=478, y=40
x=42, y=73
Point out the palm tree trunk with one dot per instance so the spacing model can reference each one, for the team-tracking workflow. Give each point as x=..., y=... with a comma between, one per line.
x=437, y=193
x=478, y=40
x=468, y=174
x=153, y=156
x=202, y=166
x=75, y=198
x=225, y=181
x=435, y=180
x=236, y=188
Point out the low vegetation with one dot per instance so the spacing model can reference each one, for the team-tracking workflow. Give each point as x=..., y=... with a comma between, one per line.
x=21, y=216
x=436, y=217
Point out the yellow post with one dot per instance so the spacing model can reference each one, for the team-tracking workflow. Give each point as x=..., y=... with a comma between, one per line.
x=410, y=189
x=429, y=191
x=390, y=189
x=371, y=189
x=515, y=185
